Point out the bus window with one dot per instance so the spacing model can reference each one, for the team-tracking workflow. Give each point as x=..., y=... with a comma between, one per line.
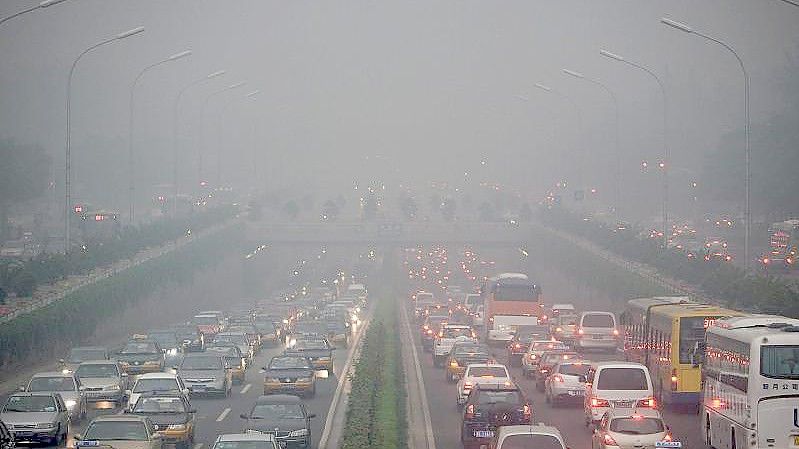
x=692, y=331
x=779, y=362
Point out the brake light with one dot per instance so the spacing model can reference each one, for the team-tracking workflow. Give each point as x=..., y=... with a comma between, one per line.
x=580, y=331
x=668, y=437
x=467, y=386
x=470, y=411
x=426, y=327
x=544, y=370
x=674, y=378
x=647, y=402
x=599, y=402
x=453, y=363
x=518, y=346
x=429, y=331
x=608, y=440
x=558, y=329
x=558, y=378
x=441, y=334
x=527, y=411
x=616, y=332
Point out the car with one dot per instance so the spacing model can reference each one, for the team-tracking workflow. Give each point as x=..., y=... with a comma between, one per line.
x=208, y=324
x=477, y=373
x=538, y=437
x=36, y=418
x=191, y=337
x=533, y=355
x=447, y=337
x=597, y=330
x=121, y=432
x=171, y=415
x=283, y=416
x=239, y=339
x=518, y=344
x=270, y=327
x=463, y=354
x=80, y=354
x=616, y=385
x=168, y=340
x=160, y=383
x=236, y=363
x=566, y=382
x=102, y=381
x=489, y=407
x=317, y=350
x=205, y=374
x=64, y=384
x=292, y=374
x=249, y=329
x=140, y=356
x=430, y=328
x=251, y=440
x=625, y=428
x=548, y=360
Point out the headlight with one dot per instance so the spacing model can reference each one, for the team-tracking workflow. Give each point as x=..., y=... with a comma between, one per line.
x=176, y=427
x=324, y=359
x=46, y=425
x=303, y=379
x=298, y=433
x=70, y=403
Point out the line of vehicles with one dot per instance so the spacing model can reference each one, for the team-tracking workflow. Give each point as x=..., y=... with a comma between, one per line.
x=151, y=381
x=739, y=372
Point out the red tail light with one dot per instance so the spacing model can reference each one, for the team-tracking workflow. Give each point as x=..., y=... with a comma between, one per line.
x=558, y=378
x=616, y=332
x=470, y=411
x=467, y=386
x=528, y=412
x=674, y=379
x=648, y=402
x=599, y=402
x=608, y=440
x=668, y=437
x=518, y=346
x=580, y=331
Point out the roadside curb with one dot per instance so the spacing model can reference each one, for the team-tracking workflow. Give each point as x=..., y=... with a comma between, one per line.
x=418, y=417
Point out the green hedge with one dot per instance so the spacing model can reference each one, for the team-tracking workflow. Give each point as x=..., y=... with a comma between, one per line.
x=376, y=409
x=22, y=277
x=47, y=332
x=725, y=281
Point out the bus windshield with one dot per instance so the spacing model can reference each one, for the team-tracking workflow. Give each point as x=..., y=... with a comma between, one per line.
x=692, y=335
x=516, y=290
x=779, y=362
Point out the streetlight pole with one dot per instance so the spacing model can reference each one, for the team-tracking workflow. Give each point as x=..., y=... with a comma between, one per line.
x=664, y=163
x=578, y=116
x=131, y=161
x=617, y=184
x=202, y=120
x=747, y=157
x=40, y=5
x=68, y=153
x=175, y=126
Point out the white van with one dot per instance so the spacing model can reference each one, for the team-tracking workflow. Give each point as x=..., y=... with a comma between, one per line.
x=616, y=385
x=597, y=330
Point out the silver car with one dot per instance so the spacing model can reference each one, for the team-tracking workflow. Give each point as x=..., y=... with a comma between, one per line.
x=80, y=354
x=120, y=432
x=566, y=383
x=205, y=374
x=64, y=384
x=36, y=418
x=102, y=381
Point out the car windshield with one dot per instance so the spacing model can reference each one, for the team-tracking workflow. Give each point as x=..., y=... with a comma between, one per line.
x=546, y=345
x=622, y=379
x=310, y=344
x=598, y=320
x=97, y=370
x=487, y=371
x=78, y=355
x=116, y=430
x=206, y=363
x=155, y=385
x=290, y=411
x=454, y=332
x=159, y=405
x=237, y=339
x=527, y=440
x=139, y=347
x=551, y=358
x=289, y=363
x=52, y=384
x=497, y=397
x=165, y=339
x=636, y=425
x=574, y=369
x=205, y=320
x=244, y=445
x=30, y=404
x=471, y=350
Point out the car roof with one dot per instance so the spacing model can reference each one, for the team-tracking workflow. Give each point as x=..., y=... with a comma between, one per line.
x=98, y=362
x=498, y=386
x=278, y=399
x=618, y=364
x=251, y=436
x=156, y=376
x=55, y=374
x=124, y=417
x=93, y=348
x=457, y=326
x=626, y=412
x=486, y=365
x=33, y=393
x=522, y=429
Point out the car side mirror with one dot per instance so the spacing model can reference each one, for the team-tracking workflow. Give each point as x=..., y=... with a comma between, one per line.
x=244, y=416
x=312, y=415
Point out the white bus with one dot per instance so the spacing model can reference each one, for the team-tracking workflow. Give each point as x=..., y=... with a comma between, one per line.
x=751, y=383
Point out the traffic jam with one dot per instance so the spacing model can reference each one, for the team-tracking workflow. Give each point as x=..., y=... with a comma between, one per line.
x=153, y=390
x=505, y=354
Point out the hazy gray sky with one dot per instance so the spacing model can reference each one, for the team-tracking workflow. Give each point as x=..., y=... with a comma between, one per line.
x=430, y=85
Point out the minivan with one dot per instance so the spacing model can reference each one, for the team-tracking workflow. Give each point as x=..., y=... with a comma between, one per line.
x=616, y=385
x=596, y=330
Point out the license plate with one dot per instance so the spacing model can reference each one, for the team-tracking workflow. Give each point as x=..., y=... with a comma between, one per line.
x=89, y=443
x=576, y=393
x=484, y=434
x=22, y=434
x=198, y=389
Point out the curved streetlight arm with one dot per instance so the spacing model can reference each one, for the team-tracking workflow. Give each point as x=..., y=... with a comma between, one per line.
x=44, y=4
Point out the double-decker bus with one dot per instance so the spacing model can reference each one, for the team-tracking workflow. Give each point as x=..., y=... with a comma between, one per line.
x=667, y=335
x=511, y=300
x=751, y=383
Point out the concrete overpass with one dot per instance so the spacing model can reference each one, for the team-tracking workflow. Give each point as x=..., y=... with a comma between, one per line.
x=404, y=233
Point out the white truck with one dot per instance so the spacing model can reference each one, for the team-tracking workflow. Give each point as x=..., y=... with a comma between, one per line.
x=502, y=328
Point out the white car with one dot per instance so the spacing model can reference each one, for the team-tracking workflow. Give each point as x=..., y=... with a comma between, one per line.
x=566, y=383
x=616, y=385
x=597, y=330
x=155, y=382
x=533, y=355
x=630, y=429
x=493, y=373
x=446, y=338
x=538, y=436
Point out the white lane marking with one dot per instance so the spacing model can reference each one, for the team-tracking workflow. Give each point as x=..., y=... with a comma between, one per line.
x=246, y=388
x=431, y=441
x=223, y=415
x=198, y=446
